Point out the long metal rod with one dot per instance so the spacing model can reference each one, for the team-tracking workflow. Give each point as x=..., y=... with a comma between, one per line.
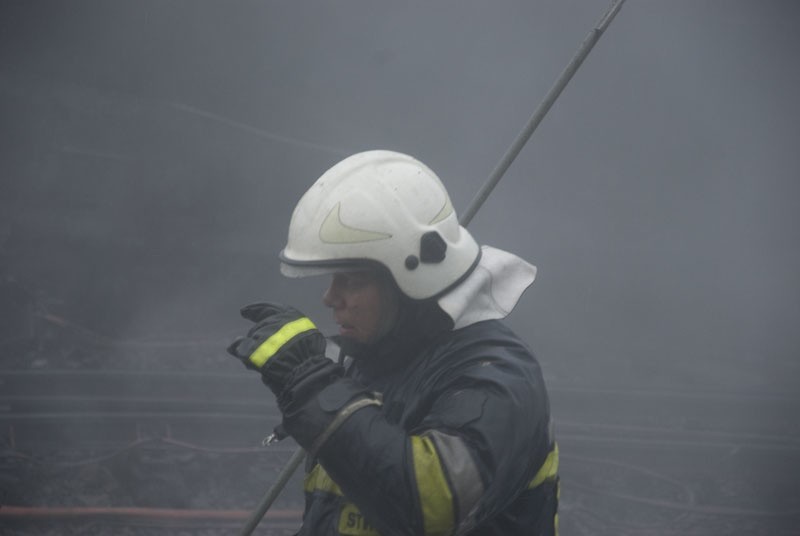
x=541, y=111
x=258, y=514
x=480, y=197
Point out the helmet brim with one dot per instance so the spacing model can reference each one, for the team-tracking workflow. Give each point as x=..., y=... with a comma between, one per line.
x=299, y=269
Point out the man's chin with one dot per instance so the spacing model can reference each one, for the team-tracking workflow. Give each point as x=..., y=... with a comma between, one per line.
x=352, y=347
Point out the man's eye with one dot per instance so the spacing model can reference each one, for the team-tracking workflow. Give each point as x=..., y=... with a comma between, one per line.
x=347, y=281
x=355, y=281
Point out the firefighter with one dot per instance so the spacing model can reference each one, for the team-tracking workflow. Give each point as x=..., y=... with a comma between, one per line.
x=435, y=420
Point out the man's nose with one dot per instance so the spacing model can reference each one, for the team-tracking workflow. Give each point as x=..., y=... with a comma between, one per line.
x=331, y=297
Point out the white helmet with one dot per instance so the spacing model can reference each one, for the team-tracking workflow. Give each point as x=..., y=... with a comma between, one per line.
x=384, y=207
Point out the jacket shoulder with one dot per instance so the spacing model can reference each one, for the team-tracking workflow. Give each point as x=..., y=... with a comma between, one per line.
x=490, y=338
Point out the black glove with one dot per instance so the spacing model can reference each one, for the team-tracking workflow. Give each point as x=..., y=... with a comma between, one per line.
x=288, y=350
x=282, y=340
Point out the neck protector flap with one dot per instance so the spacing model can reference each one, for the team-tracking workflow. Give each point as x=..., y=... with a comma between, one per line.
x=491, y=291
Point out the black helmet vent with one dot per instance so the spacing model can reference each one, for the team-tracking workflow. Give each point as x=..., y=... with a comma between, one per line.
x=432, y=248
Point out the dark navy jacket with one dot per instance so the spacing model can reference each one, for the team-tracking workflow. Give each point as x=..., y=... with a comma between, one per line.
x=462, y=444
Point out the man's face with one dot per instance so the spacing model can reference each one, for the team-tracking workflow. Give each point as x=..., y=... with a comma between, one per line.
x=364, y=303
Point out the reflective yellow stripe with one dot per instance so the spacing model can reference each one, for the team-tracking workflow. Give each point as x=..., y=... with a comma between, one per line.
x=318, y=480
x=352, y=523
x=271, y=346
x=435, y=496
x=548, y=470
x=558, y=498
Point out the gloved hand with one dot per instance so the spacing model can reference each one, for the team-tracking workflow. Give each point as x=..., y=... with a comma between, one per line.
x=282, y=340
x=289, y=351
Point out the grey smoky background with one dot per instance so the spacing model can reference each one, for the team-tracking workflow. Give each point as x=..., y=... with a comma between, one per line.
x=151, y=153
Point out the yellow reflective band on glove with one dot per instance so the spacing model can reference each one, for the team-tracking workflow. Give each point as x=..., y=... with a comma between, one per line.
x=272, y=346
x=434, y=492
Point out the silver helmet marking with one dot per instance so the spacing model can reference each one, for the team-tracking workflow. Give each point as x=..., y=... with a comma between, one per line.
x=334, y=231
x=446, y=210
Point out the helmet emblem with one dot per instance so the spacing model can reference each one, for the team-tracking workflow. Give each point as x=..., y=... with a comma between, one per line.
x=334, y=231
x=445, y=211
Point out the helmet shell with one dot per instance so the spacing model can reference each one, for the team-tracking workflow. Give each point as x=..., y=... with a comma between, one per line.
x=384, y=207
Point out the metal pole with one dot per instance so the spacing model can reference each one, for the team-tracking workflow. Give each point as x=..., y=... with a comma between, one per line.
x=294, y=462
x=541, y=111
x=466, y=217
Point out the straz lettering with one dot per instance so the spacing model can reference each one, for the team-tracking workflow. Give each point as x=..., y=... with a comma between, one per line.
x=352, y=523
